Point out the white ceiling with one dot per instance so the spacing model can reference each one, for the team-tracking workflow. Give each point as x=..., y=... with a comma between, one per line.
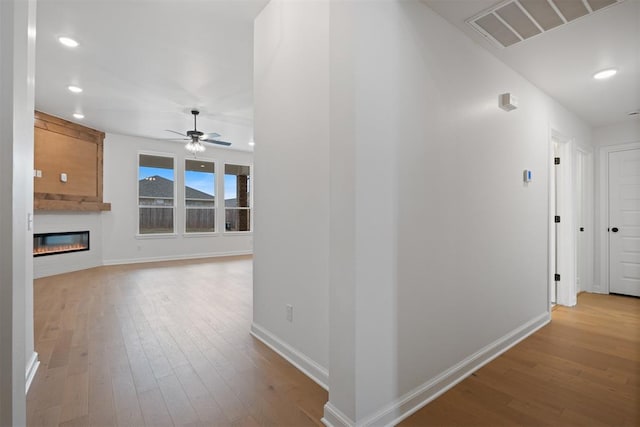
x=562, y=61
x=144, y=64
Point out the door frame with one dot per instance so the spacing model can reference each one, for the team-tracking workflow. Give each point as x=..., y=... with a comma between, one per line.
x=588, y=206
x=602, y=196
x=567, y=291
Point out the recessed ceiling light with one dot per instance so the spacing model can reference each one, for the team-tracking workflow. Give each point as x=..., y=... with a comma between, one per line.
x=69, y=42
x=78, y=115
x=605, y=74
x=75, y=89
x=251, y=143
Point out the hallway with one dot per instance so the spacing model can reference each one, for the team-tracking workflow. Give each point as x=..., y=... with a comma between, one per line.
x=581, y=369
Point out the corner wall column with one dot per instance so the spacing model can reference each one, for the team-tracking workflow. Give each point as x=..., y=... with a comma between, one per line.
x=17, y=70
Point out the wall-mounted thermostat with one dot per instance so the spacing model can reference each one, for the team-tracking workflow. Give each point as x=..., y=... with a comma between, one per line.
x=63, y=177
x=508, y=102
x=527, y=175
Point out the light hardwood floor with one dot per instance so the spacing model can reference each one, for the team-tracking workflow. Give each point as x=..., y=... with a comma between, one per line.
x=159, y=345
x=168, y=344
x=581, y=369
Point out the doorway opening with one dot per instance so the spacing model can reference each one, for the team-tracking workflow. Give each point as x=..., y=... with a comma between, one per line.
x=562, y=218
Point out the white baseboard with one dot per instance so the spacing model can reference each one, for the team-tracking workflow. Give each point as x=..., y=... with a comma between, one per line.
x=412, y=401
x=333, y=417
x=174, y=257
x=306, y=365
x=32, y=368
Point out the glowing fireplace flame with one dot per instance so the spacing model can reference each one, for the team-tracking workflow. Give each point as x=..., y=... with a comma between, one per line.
x=58, y=248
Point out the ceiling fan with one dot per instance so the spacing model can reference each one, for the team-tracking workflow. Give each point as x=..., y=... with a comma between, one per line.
x=196, y=137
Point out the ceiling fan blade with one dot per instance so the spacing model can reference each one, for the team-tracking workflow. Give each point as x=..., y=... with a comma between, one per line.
x=215, y=141
x=176, y=139
x=210, y=135
x=173, y=131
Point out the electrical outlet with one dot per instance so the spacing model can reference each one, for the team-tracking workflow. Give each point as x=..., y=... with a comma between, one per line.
x=289, y=312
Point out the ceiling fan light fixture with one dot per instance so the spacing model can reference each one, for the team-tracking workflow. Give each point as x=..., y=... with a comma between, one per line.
x=194, y=147
x=605, y=74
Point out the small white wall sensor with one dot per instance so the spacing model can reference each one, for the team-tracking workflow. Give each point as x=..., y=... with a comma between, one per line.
x=507, y=102
x=63, y=177
x=527, y=175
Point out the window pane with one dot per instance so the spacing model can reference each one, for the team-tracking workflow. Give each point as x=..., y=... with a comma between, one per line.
x=199, y=183
x=200, y=220
x=156, y=220
x=237, y=220
x=155, y=181
x=199, y=192
x=237, y=186
x=156, y=194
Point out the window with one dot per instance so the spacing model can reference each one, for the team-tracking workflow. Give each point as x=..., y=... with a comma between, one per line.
x=199, y=196
x=237, y=198
x=156, y=194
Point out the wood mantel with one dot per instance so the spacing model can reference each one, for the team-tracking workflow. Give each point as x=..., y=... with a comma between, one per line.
x=63, y=147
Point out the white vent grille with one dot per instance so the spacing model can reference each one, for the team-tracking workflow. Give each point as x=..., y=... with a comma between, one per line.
x=513, y=21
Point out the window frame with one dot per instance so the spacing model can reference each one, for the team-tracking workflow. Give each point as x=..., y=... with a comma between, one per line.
x=216, y=206
x=174, y=233
x=224, y=203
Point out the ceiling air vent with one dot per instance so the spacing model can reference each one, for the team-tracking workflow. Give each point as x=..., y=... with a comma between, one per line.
x=513, y=21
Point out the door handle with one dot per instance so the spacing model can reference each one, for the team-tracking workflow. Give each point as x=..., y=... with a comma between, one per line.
x=582, y=229
x=614, y=229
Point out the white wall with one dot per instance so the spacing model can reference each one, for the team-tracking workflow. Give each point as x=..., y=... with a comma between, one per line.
x=465, y=266
x=291, y=87
x=119, y=242
x=51, y=222
x=438, y=251
x=620, y=133
x=17, y=65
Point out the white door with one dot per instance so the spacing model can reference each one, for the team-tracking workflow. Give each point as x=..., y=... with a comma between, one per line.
x=581, y=275
x=624, y=222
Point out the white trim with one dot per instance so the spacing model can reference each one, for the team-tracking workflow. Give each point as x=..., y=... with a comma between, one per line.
x=175, y=257
x=588, y=207
x=223, y=205
x=417, y=398
x=304, y=363
x=236, y=233
x=567, y=257
x=333, y=417
x=602, y=209
x=173, y=157
x=156, y=235
x=201, y=234
x=32, y=368
x=551, y=247
x=212, y=161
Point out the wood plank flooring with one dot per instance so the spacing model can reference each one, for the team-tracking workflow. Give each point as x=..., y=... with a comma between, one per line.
x=583, y=369
x=160, y=344
x=167, y=344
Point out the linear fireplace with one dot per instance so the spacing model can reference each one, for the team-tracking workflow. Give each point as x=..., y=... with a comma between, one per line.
x=60, y=243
